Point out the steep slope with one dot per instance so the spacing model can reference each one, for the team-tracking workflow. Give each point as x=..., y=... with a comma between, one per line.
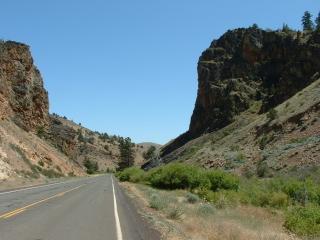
x=289, y=142
x=247, y=65
x=23, y=112
x=242, y=77
x=22, y=96
x=24, y=155
x=35, y=144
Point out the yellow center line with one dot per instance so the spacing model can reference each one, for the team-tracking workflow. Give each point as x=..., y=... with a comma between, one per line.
x=14, y=213
x=22, y=209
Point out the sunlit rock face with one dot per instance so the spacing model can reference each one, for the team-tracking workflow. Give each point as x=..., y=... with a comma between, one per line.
x=22, y=95
x=247, y=65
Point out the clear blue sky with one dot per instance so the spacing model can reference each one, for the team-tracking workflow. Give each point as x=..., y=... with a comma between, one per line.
x=128, y=67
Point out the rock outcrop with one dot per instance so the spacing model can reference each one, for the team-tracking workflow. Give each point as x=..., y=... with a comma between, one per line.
x=22, y=95
x=80, y=144
x=35, y=144
x=247, y=65
x=24, y=116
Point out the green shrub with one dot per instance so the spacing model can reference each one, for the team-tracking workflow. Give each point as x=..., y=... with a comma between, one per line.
x=272, y=114
x=50, y=173
x=157, y=202
x=222, y=180
x=29, y=174
x=279, y=200
x=202, y=193
x=150, y=153
x=302, y=191
x=263, y=169
x=41, y=131
x=36, y=168
x=218, y=199
x=248, y=172
x=223, y=198
x=205, y=209
x=178, y=176
x=262, y=199
x=192, y=198
x=263, y=194
x=278, y=193
x=234, y=148
x=264, y=140
x=59, y=168
x=304, y=221
x=92, y=167
x=91, y=140
x=175, y=212
x=132, y=174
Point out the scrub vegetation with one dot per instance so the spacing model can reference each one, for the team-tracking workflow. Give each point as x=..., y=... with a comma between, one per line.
x=297, y=201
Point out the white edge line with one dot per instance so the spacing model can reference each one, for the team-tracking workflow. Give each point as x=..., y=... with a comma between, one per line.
x=29, y=188
x=116, y=216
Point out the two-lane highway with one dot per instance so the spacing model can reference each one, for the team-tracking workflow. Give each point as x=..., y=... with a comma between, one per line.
x=88, y=208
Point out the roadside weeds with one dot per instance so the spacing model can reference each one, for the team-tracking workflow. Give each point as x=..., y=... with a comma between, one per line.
x=178, y=216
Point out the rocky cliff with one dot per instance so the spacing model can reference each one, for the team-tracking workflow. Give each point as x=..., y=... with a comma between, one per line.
x=248, y=65
x=22, y=95
x=24, y=115
x=35, y=144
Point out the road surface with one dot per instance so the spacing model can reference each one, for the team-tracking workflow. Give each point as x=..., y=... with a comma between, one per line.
x=83, y=209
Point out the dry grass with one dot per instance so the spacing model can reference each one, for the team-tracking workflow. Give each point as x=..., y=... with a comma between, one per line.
x=298, y=117
x=240, y=223
x=21, y=151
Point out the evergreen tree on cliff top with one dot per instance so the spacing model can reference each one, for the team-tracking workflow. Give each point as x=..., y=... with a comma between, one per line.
x=318, y=22
x=307, y=23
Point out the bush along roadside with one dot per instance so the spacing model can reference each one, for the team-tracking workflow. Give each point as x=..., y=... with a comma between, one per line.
x=299, y=200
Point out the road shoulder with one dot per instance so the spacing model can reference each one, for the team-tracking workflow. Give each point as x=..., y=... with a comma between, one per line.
x=134, y=224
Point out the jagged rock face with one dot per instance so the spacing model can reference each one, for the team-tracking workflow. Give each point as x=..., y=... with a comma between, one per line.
x=246, y=65
x=22, y=95
x=62, y=137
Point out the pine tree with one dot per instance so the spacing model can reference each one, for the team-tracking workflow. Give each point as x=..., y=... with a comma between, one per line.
x=286, y=28
x=150, y=153
x=317, y=21
x=307, y=23
x=255, y=26
x=126, y=153
x=92, y=167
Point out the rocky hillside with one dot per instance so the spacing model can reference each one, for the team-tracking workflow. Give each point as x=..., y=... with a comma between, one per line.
x=241, y=77
x=23, y=111
x=33, y=143
x=247, y=65
x=80, y=143
x=22, y=96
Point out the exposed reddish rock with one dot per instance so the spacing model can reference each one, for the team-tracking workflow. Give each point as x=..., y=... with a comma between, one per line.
x=22, y=95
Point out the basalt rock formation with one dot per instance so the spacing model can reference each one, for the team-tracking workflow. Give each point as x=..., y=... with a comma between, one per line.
x=246, y=65
x=22, y=95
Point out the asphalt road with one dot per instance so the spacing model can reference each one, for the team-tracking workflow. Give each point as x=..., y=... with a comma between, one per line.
x=83, y=209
